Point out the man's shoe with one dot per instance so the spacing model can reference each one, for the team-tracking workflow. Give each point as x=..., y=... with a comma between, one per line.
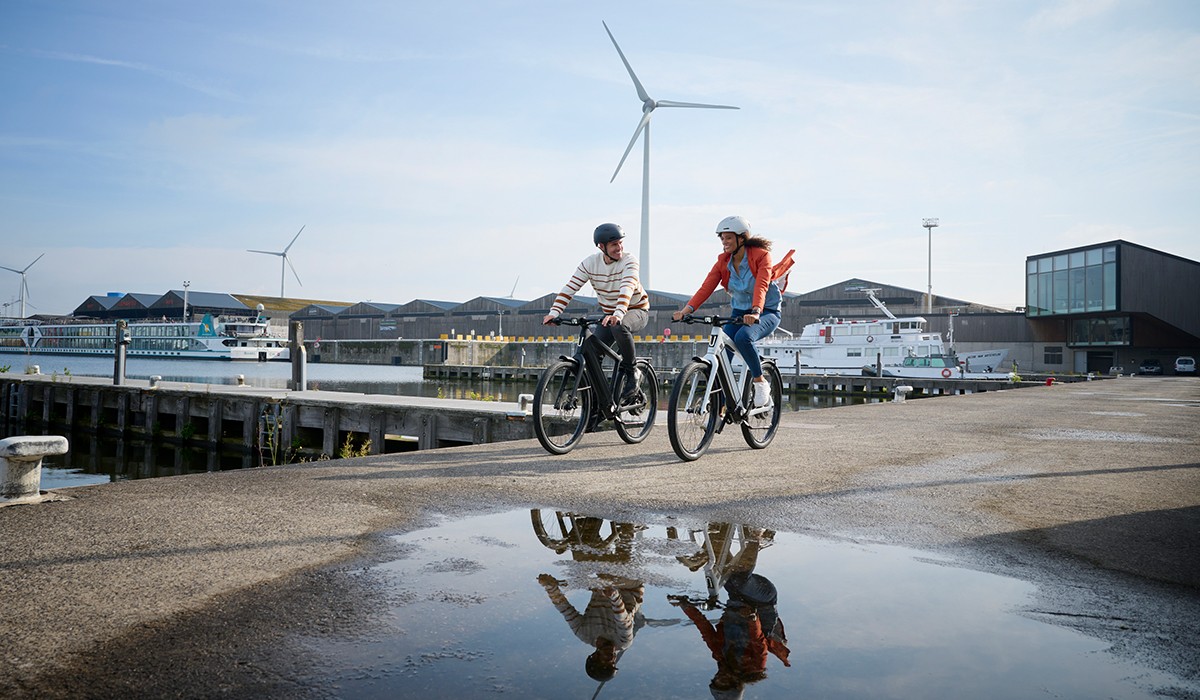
x=629, y=392
x=762, y=393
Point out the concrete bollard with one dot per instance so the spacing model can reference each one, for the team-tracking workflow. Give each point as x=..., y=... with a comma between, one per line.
x=525, y=402
x=21, y=464
x=901, y=392
x=241, y=380
x=154, y=380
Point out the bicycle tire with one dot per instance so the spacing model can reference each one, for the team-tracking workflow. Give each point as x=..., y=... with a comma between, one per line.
x=551, y=529
x=692, y=411
x=560, y=413
x=635, y=421
x=759, y=430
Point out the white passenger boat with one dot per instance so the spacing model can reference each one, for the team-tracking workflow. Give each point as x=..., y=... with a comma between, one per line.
x=854, y=347
x=210, y=338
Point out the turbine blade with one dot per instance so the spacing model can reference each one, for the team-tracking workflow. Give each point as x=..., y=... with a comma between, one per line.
x=636, y=132
x=264, y=252
x=25, y=288
x=289, y=245
x=19, y=272
x=669, y=103
x=641, y=91
x=33, y=263
x=289, y=264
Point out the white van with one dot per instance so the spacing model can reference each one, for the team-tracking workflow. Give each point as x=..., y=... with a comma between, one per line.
x=1185, y=365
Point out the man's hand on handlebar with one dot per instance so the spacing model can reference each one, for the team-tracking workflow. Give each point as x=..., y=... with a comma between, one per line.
x=610, y=320
x=549, y=320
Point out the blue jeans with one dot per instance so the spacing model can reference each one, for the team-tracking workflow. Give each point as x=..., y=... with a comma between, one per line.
x=744, y=337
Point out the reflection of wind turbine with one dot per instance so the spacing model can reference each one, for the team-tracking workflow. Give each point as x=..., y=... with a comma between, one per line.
x=284, y=263
x=24, y=284
x=648, y=106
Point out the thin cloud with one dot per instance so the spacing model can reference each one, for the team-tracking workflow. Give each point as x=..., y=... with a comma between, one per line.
x=169, y=76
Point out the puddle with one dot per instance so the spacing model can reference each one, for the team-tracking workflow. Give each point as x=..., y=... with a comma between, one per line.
x=509, y=604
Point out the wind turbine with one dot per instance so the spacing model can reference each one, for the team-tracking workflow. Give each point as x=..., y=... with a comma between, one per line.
x=284, y=263
x=648, y=107
x=24, y=284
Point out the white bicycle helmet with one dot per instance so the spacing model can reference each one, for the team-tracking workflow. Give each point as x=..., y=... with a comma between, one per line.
x=734, y=224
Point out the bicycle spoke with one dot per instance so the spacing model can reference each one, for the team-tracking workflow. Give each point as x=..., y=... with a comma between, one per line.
x=691, y=418
x=560, y=411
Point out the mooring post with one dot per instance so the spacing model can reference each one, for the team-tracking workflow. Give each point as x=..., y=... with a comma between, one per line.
x=299, y=360
x=21, y=464
x=122, y=340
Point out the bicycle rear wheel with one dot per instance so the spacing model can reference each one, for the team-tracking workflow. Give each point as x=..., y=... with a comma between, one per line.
x=634, y=421
x=560, y=411
x=759, y=429
x=692, y=412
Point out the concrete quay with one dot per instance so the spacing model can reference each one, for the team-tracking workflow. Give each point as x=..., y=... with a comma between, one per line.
x=288, y=424
x=199, y=585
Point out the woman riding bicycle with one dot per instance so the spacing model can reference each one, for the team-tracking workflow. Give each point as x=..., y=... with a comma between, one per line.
x=744, y=269
x=613, y=274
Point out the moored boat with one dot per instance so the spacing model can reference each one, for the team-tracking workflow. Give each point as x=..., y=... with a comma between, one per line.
x=853, y=347
x=210, y=338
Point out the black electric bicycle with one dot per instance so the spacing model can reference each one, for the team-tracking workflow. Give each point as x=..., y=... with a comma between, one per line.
x=574, y=394
x=708, y=396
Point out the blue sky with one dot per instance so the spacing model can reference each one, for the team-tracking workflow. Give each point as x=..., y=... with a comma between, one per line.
x=455, y=149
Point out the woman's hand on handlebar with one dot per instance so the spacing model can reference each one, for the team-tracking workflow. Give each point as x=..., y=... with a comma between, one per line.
x=549, y=320
x=750, y=319
x=678, y=315
x=609, y=320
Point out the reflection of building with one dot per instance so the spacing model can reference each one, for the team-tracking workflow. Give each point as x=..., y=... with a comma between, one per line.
x=1111, y=304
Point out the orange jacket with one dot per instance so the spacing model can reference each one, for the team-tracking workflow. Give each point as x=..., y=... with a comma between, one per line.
x=760, y=266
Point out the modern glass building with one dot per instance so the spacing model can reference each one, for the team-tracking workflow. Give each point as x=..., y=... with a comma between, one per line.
x=1112, y=304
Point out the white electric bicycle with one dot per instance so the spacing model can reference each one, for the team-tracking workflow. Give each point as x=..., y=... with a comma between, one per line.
x=708, y=395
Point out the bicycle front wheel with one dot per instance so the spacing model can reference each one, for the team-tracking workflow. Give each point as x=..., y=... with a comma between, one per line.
x=692, y=412
x=759, y=427
x=635, y=420
x=560, y=409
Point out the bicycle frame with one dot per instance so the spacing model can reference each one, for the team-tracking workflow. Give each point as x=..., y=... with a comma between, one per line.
x=719, y=366
x=593, y=366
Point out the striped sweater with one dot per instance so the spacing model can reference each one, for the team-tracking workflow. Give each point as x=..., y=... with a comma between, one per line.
x=616, y=285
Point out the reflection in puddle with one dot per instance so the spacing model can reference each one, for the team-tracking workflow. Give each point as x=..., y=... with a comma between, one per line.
x=545, y=604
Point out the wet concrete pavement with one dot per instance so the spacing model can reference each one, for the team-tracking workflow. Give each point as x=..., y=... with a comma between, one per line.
x=196, y=585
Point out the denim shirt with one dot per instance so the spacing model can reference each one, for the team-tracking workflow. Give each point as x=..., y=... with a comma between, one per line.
x=741, y=288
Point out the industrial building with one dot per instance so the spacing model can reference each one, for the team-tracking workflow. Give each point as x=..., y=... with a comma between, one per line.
x=1088, y=309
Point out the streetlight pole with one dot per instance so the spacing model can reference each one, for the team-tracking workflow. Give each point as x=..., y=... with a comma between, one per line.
x=929, y=225
x=186, y=284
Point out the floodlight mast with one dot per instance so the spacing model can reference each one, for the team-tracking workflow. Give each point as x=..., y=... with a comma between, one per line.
x=930, y=225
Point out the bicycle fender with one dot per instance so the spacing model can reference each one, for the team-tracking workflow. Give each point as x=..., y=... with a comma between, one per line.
x=569, y=358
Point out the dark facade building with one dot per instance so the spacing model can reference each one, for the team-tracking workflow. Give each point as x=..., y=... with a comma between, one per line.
x=1112, y=304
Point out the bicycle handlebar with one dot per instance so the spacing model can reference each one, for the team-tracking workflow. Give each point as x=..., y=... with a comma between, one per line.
x=712, y=320
x=577, y=321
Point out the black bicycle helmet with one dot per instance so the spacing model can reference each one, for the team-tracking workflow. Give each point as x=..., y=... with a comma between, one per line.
x=607, y=233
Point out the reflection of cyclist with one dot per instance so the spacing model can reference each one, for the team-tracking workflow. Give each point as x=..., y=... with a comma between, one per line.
x=613, y=274
x=749, y=628
x=612, y=617
x=721, y=536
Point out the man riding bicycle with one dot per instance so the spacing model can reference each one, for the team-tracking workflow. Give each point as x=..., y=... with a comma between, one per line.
x=614, y=276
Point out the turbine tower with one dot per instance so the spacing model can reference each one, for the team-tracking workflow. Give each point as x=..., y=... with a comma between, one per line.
x=24, y=284
x=284, y=263
x=648, y=107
